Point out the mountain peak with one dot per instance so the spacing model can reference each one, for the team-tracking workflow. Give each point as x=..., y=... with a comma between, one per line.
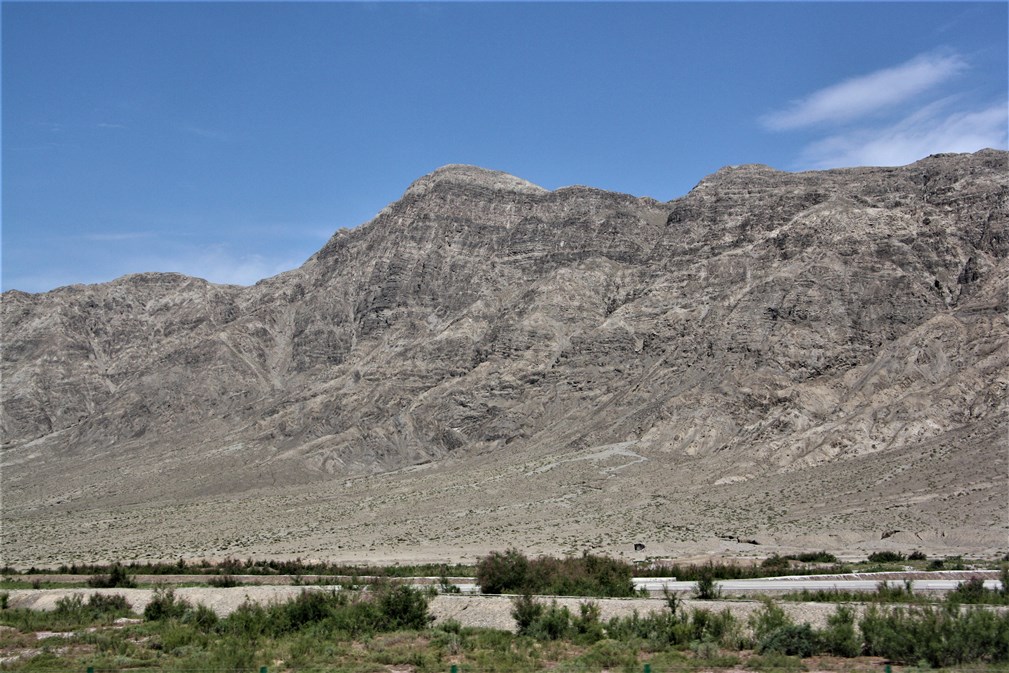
x=466, y=175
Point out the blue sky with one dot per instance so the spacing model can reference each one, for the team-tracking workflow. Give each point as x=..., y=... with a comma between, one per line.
x=229, y=141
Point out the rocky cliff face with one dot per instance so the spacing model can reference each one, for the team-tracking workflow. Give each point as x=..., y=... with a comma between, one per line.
x=766, y=324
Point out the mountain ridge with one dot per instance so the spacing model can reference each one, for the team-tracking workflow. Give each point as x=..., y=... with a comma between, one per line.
x=761, y=328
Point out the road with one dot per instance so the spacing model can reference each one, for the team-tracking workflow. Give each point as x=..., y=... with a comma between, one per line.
x=789, y=584
x=779, y=585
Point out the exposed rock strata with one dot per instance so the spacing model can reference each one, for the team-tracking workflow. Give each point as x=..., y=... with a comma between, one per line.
x=765, y=324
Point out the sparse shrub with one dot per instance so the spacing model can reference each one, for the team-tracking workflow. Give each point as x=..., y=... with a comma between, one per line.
x=840, y=637
x=164, y=605
x=815, y=557
x=553, y=624
x=974, y=591
x=943, y=637
x=954, y=563
x=249, y=622
x=917, y=555
x=585, y=575
x=4, y=599
x=445, y=586
x=608, y=655
x=501, y=572
x=707, y=588
x=98, y=607
x=223, y=581
x=769, y=618
x=117, y=578
x=525, y=611
x=543, y=622
x=775, y=663
x=450, y=626
x=404, y=607
x=586, y=625
x=775, y=562
x=970, y=591
x=791, y=639
x=658, y=629
x=202, y=617
x=714, y=627
x=886, y=557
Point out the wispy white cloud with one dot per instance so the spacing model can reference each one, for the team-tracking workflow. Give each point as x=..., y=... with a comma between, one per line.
x=930, y=130
x=118, y=236
x=209, y=134
x=220, y=264
x=894, y=116
x=860, y=96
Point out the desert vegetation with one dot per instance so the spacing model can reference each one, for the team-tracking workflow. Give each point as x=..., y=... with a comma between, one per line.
x=389, y=625
x=586, y=575
x=234, y=566
x=969, y=592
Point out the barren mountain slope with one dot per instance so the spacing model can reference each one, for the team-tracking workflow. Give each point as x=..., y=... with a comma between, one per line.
x=790, y=356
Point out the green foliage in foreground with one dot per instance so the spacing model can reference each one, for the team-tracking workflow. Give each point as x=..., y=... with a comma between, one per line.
x=389, y=626
x=586, y=575
x=390, y=608
x=942, y=636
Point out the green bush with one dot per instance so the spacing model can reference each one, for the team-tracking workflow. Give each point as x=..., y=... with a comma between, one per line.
x=527, y=613
x=815, y=557
x=202, y=618
x=658, y=630
x=553, y=624
x=712, y=627
x=585, y=575
x=943, y=637
x=249, y=622
x=791, y=639
x=707, y=588
x=840, y=637
x=768, y=619
x=886, y=557
x=776, y=563
x=587, y=626
x=98, y=607
x=608, y=655
x=404, y=607
x=117, y=578
x=503, y=572
x=974, y=591
x=223, y=581
x=164, y=605
x=385, y=609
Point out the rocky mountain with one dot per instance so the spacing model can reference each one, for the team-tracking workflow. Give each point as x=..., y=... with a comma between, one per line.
x=786, y=355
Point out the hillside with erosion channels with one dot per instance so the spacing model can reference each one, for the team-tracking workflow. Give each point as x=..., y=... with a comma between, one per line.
x=774, y=361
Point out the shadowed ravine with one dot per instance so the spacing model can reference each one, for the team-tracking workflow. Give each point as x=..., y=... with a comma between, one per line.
x=804, y=360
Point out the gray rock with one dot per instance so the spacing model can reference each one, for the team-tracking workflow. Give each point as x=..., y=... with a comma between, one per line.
x=766, y=326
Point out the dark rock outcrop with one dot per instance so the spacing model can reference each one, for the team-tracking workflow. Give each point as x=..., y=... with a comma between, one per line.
x=766, y=322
